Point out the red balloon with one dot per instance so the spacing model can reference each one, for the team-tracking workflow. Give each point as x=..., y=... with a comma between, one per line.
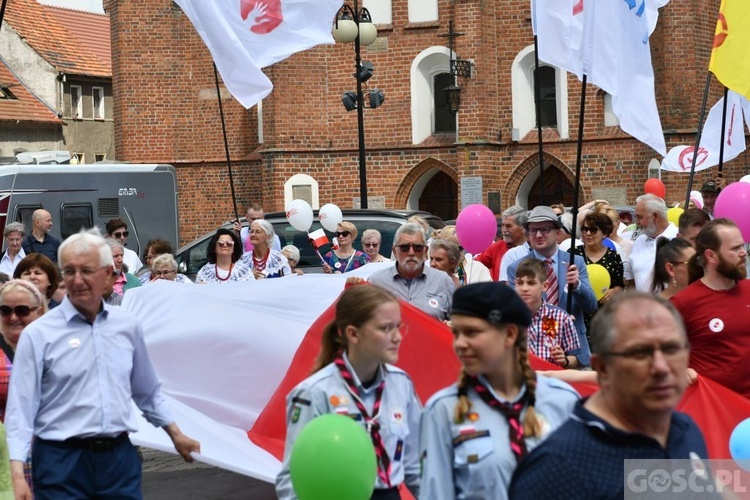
x=655, y=187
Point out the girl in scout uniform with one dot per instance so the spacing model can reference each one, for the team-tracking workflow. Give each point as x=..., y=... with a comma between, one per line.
x=353, y=376
x=475, y=432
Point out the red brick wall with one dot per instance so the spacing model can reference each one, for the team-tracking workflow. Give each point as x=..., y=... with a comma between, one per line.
x=166, y=110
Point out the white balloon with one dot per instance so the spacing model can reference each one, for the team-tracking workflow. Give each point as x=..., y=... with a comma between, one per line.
x=330, y=216
x=697, y=198
x=300, y=215
x=745, y=178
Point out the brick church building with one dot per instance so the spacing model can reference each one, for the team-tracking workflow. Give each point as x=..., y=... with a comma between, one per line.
x=301, y=142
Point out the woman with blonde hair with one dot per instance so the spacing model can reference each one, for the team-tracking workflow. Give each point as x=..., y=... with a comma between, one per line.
x=371, y=240
x=354, y=376
x=346, y=257
x=475, y=432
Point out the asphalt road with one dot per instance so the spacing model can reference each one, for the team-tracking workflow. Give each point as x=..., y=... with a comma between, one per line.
x=168, y=477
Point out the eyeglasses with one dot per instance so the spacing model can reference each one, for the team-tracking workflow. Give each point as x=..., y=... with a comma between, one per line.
x=403, y=328
x=669, y=350
x=680, y=263
x=163, y=273
x=86, y=273
x=544, y=230
x=339, y=234
x=21, y=311
x=121, y=234
x=589, y=229
x=371, y=245
x=225, y=244
x=414, y=246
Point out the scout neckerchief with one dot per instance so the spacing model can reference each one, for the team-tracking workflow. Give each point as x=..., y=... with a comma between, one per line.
x=371, y=423
x=512, y=412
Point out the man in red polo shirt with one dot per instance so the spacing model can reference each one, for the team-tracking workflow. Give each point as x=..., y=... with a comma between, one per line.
x=513, y=220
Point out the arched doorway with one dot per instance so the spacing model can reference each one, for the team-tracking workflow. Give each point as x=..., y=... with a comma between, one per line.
x=440, y=196
x=557, y=188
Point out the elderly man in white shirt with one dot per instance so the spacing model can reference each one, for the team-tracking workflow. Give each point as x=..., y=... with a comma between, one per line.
x=651, y=216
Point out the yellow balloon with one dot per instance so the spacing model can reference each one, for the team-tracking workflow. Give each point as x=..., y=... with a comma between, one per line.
x=673, y=214
x=599, y=279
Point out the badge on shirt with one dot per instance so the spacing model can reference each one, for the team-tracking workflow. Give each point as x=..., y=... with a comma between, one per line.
x=716, y=325
x=472, y=416
x=399, y=450
x=397, y=416
x=74, y=342
x=463, y=437
x=337, y=265
x=295, y=414
x=433, y=303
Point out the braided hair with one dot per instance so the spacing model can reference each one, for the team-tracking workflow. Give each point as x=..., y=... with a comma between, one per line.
x=532, y=427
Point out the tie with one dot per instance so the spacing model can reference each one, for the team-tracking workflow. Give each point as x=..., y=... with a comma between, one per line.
x=512, y=412
x=371, y=423
x=553, y=290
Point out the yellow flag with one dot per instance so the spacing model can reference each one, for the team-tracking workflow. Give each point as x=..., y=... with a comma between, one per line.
x=730, y=58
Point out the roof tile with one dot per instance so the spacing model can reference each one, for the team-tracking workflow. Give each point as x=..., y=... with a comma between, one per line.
x=25, y=108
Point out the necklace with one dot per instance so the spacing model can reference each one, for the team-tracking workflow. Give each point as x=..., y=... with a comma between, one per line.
x=260, y=264
x=229, y=274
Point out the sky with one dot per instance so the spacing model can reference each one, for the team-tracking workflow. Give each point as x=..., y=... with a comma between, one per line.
x=87, y=5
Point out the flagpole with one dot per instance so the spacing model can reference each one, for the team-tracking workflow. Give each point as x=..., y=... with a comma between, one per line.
x=698, y=139
x=538, y=98
x=226, y=144
x=579, y=150
x=723, y=129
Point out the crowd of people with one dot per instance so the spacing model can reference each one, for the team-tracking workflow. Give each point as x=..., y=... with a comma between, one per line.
x=673, y=310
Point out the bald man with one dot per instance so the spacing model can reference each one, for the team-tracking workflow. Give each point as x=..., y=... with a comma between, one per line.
x=39, y=241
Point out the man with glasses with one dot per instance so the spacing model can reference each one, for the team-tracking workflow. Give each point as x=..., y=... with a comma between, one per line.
x=563, y=277
x=118, y=230
x=410, y=279
x=640, y=362
x=715, y=305
x=651, y=216
x=254, y=212
x=76, y=372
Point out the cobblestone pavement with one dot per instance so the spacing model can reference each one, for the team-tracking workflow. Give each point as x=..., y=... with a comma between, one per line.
x=169, y=477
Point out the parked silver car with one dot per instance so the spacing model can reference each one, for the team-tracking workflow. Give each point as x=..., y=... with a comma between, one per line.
x=191, y=257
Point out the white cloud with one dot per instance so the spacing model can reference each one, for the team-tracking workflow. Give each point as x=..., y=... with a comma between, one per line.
x=86, y=5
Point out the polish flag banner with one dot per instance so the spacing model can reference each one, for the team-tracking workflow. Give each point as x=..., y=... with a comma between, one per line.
x=680, y=158
x=318, y=238
x=244, y=36
x=228, y=355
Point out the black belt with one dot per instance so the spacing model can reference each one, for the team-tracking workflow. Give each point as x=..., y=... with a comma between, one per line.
x=96, y=443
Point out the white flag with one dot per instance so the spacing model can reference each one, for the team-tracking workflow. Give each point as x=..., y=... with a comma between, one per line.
x=680, y=158
x=617, y=58
x=558, y=25
x=244, y=36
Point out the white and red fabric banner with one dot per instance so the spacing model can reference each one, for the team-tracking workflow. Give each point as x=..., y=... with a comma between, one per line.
x=680, y=158
x=244, y=36
x=608, y=40
x=228, y=354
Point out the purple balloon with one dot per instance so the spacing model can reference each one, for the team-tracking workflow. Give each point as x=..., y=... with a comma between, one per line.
x=733, y=203
x=609, y=243
x=476, y=227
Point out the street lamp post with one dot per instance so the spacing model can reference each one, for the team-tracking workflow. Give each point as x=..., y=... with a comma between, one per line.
x=355, y=25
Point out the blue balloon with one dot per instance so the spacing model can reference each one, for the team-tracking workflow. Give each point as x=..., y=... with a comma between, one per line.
x=609, y=243
x=739, y=444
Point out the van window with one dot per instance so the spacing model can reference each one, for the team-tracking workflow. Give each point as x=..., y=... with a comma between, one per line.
x=24, y=215
x=75, y=216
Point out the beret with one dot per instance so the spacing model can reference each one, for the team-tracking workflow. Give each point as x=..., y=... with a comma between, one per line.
x=493, y=302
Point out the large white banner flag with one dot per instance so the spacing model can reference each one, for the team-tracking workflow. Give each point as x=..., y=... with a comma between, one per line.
x=608, y=41
x=680, y=158
x=244, y=36
x=617, y=58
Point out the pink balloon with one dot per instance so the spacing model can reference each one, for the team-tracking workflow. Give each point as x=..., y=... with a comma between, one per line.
x=733, y=203
x=476, y=227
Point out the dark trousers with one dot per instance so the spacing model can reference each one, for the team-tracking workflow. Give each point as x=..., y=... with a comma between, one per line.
x=64, y=470
x=389, y=494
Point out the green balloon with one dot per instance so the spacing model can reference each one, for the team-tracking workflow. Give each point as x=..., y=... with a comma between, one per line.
x=333, y=458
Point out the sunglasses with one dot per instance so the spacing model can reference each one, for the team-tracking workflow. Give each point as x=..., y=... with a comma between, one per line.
x=225, y=244
x=339, y=234
x=415, y=246
x=591, y=229
x=21, y=311
x=121, y=234
x=371, y=245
